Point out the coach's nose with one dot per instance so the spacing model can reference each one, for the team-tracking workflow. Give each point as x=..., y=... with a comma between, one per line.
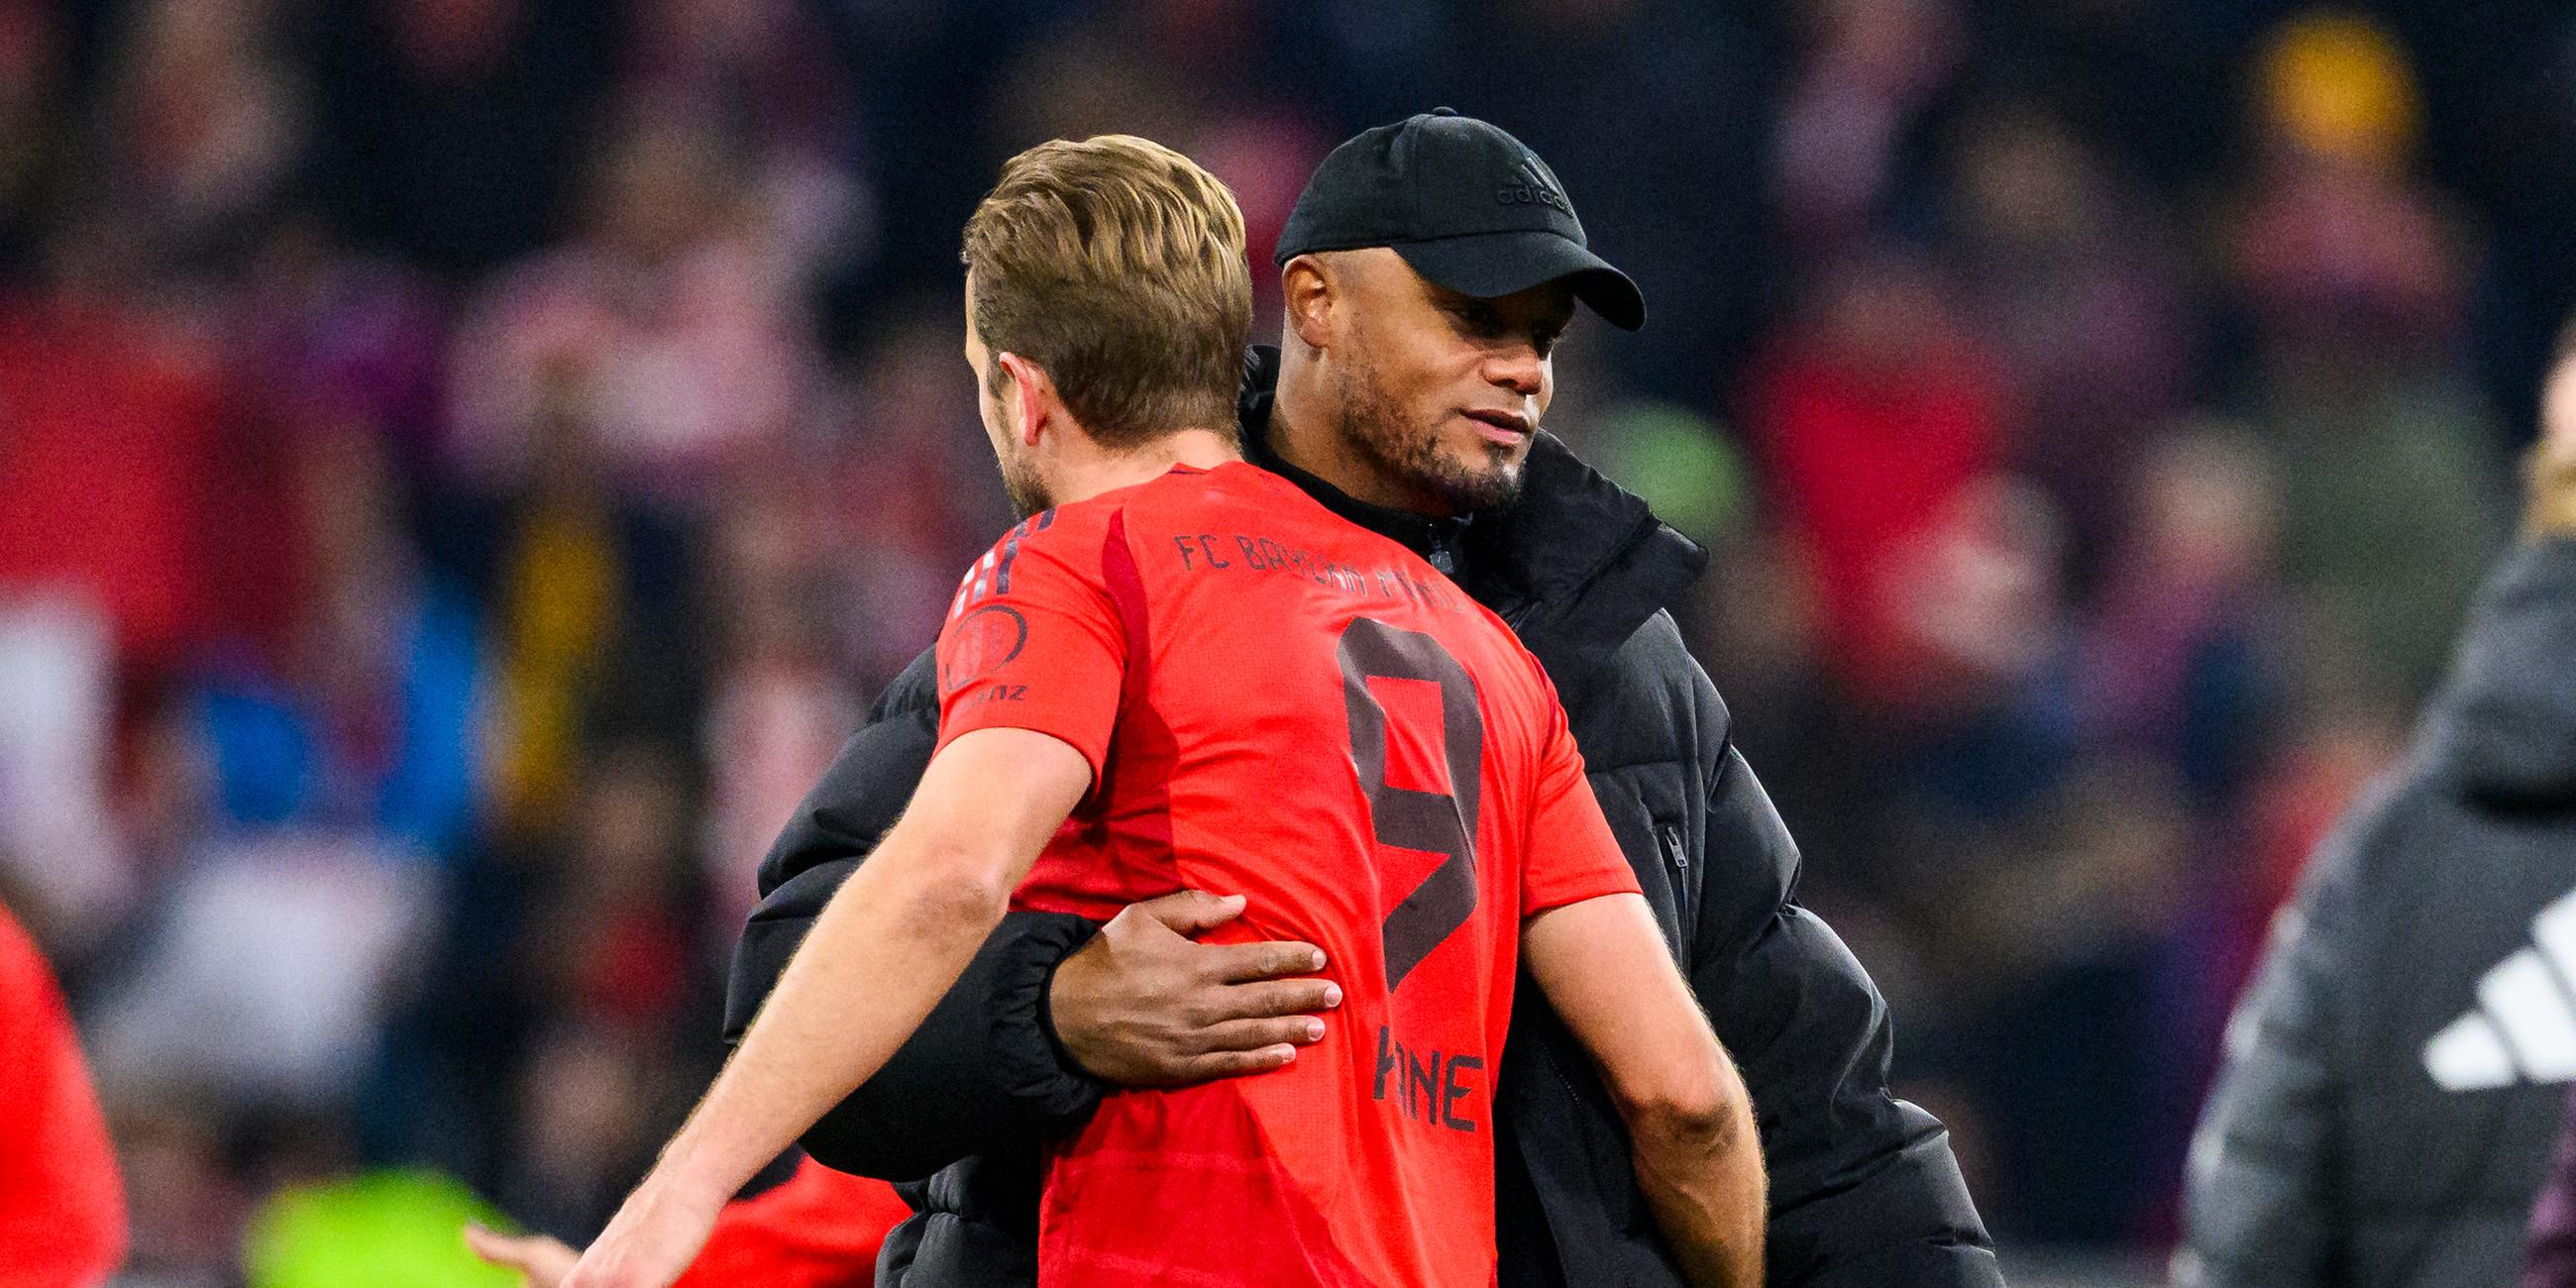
x=1518, y=368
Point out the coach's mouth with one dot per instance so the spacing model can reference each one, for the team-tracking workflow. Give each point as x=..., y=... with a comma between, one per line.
x=1508, y=428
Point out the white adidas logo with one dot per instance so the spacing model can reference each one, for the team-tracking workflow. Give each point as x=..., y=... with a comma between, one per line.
x=2525, y=1021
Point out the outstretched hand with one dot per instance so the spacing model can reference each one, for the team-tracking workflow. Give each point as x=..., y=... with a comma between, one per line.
x=649, y=1243
x=1145, y=1005
x=542, y=1260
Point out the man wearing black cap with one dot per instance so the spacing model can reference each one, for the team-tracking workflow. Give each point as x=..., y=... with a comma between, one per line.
x=1427, y=269
x=1465, y=205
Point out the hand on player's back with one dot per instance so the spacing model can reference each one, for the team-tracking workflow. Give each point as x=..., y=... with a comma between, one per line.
x=1144, y=1005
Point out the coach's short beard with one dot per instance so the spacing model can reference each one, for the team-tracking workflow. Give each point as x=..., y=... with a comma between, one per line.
x=1373, y=425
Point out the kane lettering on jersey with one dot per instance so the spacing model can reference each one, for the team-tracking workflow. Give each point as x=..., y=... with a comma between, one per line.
x=1278, y=704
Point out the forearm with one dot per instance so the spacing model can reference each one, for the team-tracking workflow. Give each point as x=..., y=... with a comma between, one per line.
x=1703, y=1175
x=980, y=1075
x=1696, y=1150
x=889, y=944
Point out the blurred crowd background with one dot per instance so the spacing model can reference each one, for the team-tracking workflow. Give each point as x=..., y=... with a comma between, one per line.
x=466, y=464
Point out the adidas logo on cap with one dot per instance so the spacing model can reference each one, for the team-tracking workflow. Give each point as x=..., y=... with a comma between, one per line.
x=1533, y=189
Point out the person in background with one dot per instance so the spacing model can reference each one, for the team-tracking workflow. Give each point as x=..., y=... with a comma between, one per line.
x=2551, y=528
x=2392, y=1080
x=62, y=1207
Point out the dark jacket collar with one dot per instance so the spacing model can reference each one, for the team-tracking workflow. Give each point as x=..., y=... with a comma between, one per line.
x=1440, y=540
x=1575, y=565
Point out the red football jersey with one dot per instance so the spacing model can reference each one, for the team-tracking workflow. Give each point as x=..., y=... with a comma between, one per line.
x=1279, y=704
x=62, y=1206
x=817, y=1229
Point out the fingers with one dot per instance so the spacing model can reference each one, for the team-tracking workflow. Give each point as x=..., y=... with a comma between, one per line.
x=509, y=1250
x=1243, y=963
x=1259, y=1035
x=1192, y=912
x=543, y=1259
x=1232, y=1064
x=1274, y=998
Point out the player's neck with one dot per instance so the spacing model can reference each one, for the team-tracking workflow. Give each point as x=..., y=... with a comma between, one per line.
x=1197, y=448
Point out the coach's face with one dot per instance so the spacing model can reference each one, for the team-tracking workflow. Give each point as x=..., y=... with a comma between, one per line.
x=1439, y=392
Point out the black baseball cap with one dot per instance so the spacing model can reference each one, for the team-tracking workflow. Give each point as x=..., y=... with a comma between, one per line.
x=1467, y=205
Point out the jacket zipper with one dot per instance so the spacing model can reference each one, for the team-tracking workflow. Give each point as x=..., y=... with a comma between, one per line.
x=1678, y=860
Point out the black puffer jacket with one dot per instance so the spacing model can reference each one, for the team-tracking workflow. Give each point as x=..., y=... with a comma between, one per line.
x=2394, y=1078
x=1865, y=1193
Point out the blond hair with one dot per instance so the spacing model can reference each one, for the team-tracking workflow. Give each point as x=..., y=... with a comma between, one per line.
x=1116, y=264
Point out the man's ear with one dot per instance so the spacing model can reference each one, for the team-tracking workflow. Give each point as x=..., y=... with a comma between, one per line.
x=1032, y=392
x=1310, y=295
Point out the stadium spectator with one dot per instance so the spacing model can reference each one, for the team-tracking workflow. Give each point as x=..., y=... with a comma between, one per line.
x=1875, y=414
x=106, y=472
x=2354, y=278
x=667, y=322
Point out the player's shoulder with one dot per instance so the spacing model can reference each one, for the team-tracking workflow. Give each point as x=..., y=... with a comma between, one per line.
x=1185, y=493
x=1059, y=530
x=1078, y=534
x=1059, y=545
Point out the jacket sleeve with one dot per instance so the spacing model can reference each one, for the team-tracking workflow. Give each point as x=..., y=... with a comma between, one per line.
x=1864, y=1188
x=983, y=1072
x=2257, y=1195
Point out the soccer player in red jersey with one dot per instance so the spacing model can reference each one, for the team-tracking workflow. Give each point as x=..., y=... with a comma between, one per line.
x=62, y=1207
x=1182, y=671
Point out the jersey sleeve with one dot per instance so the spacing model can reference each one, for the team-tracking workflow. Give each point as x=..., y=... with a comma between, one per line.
x=1034, y=641
x=1571, y=855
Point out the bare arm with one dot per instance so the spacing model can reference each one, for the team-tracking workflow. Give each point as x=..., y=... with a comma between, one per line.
x=892, y=940
x=1603, y=965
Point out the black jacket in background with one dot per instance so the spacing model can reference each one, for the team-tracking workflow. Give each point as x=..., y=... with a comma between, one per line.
x=2394, y=1077
x=1864, y=1191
